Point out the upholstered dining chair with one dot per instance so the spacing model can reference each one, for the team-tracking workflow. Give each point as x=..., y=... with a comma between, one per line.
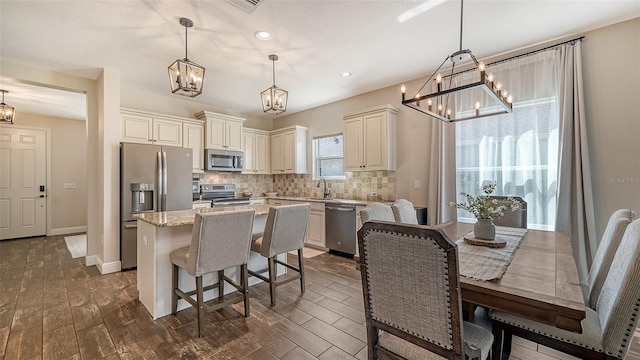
x=609, y=242
x=218, y=241
x=607, y=330
x=512, y=218
x=411, y=288
x=377, y=211
x=404, y=212
x=285, y=231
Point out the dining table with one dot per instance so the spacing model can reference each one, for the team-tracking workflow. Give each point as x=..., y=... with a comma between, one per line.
x=540, y=283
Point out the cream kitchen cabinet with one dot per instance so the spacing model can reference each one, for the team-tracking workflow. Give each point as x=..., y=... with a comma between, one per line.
x=315, y=227
x=370, y=139
x=289, y=150
x=148, y=128
x=222, y=132
x=277, y=202
x=256, y=145
x=193, y=137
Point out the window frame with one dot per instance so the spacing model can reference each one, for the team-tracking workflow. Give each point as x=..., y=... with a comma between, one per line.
x=315, y=158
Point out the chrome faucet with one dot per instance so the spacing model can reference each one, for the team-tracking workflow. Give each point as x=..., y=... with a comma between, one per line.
x=326, y=193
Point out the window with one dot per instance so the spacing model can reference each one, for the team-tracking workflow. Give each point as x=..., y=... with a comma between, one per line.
x=519, y=150
x=328, y=158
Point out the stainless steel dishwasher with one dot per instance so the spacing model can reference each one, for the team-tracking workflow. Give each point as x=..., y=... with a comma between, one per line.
x=340, y=228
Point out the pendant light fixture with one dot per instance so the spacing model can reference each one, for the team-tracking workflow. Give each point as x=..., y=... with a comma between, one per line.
x=483, y=95
x=186, y=77
x=6, y=111
x=274, y=99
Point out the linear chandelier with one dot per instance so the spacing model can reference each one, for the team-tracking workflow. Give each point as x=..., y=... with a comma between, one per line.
x=484, y=96
x=186, y=77
x=6, y=112
x=274, y=99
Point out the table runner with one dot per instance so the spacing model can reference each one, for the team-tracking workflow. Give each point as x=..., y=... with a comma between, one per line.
x=484, y=263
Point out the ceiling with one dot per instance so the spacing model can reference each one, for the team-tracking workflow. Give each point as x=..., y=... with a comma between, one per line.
x=381, y=42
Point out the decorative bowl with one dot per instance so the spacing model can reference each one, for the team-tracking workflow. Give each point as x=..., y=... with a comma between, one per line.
x=271, y=194
x=247, y=194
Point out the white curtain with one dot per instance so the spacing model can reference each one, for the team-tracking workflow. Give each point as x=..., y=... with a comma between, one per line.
x=575, y=200
x=516, y=150
x=441, y=188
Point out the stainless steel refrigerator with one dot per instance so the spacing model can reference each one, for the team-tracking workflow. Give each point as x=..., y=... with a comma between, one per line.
x=152, y=178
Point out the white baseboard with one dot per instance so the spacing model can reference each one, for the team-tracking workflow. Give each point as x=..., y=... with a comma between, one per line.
x=104, y=268
x=91, y=260
x=67, y=230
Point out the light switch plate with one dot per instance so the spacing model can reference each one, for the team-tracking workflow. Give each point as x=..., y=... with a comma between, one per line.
x=416, y=184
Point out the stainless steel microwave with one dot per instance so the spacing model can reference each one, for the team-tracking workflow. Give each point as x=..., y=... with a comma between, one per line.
x=223, y=160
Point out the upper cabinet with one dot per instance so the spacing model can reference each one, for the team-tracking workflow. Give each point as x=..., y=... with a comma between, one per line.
x=289, y=150
x=257, y=148
x=369, y=139
x=222, y=132
x=193, y=137
x=148, y=128
x=157, y=129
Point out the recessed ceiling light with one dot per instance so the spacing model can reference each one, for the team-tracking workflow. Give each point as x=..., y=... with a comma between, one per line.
x=263, y=35
x=346, y=74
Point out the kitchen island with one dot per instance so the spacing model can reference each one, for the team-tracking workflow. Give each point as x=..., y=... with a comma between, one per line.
x=159, y=233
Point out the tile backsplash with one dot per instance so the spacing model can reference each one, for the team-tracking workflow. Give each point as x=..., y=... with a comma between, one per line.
x=357, y=185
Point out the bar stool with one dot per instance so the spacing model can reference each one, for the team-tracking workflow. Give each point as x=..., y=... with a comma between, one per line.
x=218, y=241
x=285, y=231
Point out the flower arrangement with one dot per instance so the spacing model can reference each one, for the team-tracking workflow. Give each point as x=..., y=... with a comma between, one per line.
x=483, y=207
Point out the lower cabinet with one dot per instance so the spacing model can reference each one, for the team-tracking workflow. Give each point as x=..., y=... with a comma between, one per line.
x=315, y=227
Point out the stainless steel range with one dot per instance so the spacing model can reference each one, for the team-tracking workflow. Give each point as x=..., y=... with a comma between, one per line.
x=222, y=195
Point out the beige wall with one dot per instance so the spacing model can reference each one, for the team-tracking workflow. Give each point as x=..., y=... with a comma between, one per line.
x=612, y=93
x=412, y=129
x=612, y=104
x=68, y=165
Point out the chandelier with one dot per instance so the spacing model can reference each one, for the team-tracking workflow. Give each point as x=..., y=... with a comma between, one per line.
x=274, y=99
x=483, y=95
x=186, y=77
x=6, y=111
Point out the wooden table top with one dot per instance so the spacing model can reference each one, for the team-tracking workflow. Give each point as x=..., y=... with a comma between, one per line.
x=541, y=283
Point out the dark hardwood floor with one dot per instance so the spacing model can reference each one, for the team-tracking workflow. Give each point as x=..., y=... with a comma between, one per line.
x=54, y=307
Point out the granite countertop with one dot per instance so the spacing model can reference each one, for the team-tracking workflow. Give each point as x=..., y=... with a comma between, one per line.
x=186, y=217
x=327, y=201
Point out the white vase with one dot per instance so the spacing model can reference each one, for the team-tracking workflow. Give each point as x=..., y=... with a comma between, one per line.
x=484, y=229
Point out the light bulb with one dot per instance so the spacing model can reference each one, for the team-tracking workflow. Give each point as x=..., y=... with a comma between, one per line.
x=481, y=66
x=403, y=89
x=429, y=102
x=477, y=105
x=438, y=78
x=490, y=76
x=498, y=85
x=509, y=99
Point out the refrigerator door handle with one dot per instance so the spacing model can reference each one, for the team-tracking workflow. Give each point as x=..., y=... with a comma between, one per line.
x=160, y=182
x=166, y=181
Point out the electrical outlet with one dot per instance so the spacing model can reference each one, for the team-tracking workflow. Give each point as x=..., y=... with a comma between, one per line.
x=101, y=239
x=374, y=194
x=416, y=184
x=145, y=240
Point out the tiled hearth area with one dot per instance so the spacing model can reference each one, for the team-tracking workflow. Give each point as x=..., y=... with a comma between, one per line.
x=357, y=185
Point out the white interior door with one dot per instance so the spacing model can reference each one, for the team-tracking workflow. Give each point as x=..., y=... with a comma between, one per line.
x=23, y=201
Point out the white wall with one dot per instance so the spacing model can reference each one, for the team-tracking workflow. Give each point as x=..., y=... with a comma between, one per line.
x=68, y=165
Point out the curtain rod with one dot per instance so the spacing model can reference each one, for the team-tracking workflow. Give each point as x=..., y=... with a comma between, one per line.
x=572, y=41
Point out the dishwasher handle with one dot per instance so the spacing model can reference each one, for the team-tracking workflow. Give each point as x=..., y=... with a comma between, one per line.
x=340, y=208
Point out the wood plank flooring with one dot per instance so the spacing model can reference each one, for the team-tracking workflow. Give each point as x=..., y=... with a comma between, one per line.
x=54, y=307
